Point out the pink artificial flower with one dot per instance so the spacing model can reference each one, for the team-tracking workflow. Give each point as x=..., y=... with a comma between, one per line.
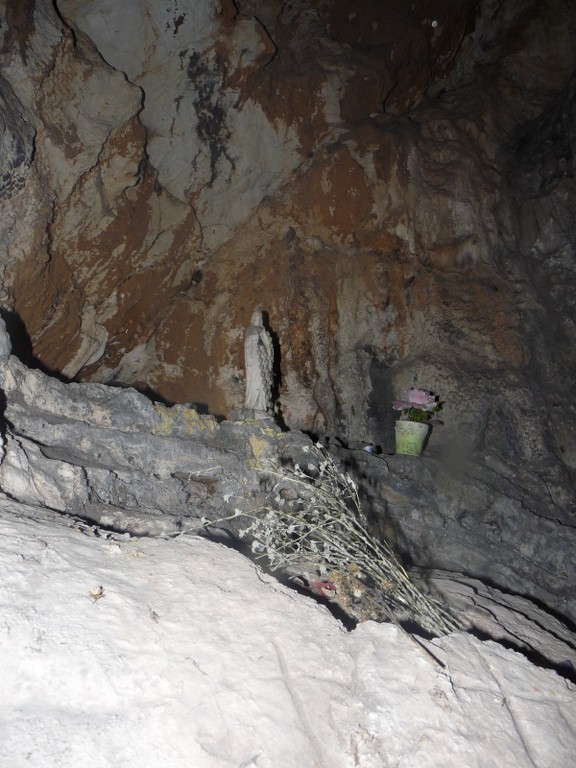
x=419, y=398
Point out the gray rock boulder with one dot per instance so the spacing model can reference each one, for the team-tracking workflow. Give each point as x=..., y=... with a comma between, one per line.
x=112, y=456
x=509, y=529
x=512, y=620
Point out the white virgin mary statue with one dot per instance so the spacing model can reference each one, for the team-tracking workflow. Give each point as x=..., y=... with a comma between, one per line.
x=259, y=360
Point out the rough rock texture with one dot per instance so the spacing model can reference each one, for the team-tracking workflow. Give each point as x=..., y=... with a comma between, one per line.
x=393, y=183
x=163, y=665
x=474, y=518
x=361, y=173
x=511, y=619
x=112, y=458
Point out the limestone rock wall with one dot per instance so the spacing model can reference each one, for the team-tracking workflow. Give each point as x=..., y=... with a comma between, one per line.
x=110, y=458
x=391, y=182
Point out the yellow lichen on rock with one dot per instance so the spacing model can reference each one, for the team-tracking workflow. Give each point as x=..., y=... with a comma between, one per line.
x=196, y=423
x=261, y=448
x=166, y=424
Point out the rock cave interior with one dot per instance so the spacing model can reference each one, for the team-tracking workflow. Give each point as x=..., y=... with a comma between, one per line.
x=392, y=182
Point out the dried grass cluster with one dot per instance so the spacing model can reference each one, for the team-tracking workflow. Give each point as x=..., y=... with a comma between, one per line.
x=313, y=526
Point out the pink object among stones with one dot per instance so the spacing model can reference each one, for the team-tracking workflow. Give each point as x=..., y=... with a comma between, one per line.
x=421, y=397
x=416, y=398
x=323, y=588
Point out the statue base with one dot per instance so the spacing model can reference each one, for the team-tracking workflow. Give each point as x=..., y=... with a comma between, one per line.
x=252, y=414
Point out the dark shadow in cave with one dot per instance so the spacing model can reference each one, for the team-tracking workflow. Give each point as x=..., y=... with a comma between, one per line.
x=276, y=372
x=564, y=669
x=22, y=345
x=409, y=564
x=3, y=422
x=142, y=389
x=155, y=397
x=204, y=410
x=22, y=349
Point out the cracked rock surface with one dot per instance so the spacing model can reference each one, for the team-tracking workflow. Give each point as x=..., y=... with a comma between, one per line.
x=111, y=460
x=392, y=184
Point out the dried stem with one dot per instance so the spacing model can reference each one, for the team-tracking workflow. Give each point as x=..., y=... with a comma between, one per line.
x=313, y=519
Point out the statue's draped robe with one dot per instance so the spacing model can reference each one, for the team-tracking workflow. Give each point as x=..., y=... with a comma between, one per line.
x=259, y=358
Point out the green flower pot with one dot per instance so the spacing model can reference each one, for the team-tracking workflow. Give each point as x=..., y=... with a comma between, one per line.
x=411, y=436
